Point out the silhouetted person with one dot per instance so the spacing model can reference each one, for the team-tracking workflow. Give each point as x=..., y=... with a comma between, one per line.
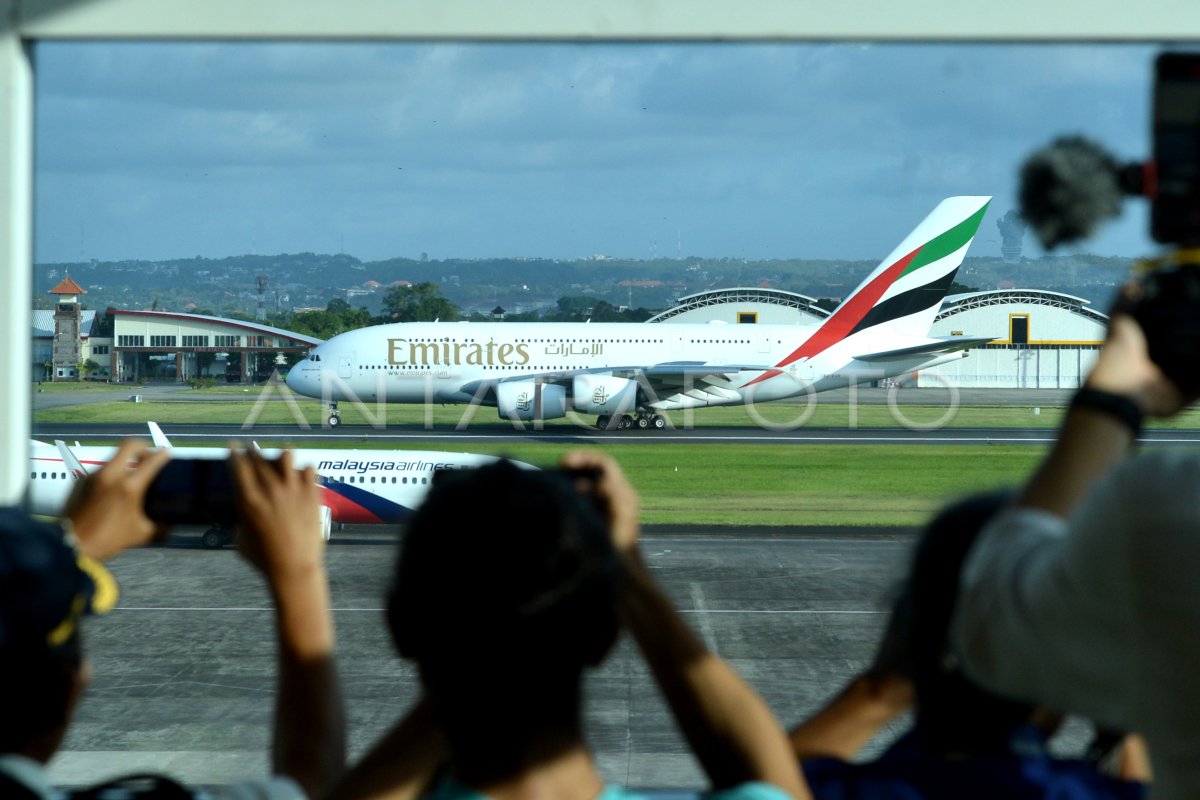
x=510, y=584
x=966, y=742
x=1083, y=596
x=51, y=576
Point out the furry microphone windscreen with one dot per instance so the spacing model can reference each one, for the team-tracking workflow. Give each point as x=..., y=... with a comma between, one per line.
x=1068, y=189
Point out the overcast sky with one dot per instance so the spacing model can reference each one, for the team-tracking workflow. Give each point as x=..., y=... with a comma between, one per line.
x=156, y=151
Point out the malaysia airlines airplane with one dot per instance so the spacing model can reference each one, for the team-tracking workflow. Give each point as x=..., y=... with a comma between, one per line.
x=357, y=486
x=626, y=373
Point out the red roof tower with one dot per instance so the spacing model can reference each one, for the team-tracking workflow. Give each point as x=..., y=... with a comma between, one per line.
x=68, y=286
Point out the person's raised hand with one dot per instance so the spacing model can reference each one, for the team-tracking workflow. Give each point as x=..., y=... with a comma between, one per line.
x=279, y=524
x=107, y=507
x=1124, y=368
x=613, y=492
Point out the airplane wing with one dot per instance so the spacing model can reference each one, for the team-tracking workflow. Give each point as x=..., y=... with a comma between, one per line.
x=950, y=345
x=670, y=381
x=665, y=382
x=666, y=378
x=678, y=370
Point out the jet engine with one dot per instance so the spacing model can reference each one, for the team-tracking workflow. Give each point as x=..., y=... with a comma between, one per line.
x=604, y=394
x=521, y=400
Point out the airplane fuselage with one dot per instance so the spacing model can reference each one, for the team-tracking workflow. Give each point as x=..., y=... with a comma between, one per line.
x=464, y=362
x=358, y=486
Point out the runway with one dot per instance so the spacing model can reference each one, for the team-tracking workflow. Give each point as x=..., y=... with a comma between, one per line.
x=410, y=435
x=183, y=668
x=489, y=429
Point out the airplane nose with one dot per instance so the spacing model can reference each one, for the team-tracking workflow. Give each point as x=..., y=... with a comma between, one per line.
x=297, y=380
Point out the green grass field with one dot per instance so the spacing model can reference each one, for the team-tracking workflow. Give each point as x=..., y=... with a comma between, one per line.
x=763, y=484
x=784, y=484
x=769, y=484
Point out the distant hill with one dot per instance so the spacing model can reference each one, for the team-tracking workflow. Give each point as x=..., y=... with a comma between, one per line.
x=311, y=280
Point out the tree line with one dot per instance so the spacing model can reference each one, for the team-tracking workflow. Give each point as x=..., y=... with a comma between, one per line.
x=424, y=302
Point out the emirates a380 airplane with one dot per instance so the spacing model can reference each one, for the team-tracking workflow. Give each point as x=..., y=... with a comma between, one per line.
x=625, y=373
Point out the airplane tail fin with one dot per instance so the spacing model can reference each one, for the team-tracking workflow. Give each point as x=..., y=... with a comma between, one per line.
x=157, y=436
x=904, y=292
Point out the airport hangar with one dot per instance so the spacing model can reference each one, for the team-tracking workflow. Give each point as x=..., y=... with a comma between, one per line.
x=195, y=342
x=148, y=344
x=1044, y=340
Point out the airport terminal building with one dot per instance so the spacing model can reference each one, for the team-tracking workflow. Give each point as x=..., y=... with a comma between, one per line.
x=149, y=345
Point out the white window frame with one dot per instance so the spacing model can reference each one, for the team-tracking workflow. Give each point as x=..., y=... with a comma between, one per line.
x=24, y=22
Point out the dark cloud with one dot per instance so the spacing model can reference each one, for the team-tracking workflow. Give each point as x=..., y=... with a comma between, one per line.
x=758, y=150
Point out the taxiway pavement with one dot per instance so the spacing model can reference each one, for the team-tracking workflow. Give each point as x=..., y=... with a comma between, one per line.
x=183, y=667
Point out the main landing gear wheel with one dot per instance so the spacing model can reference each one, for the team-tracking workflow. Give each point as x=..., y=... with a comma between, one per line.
x=213, y=539
x=623, y=422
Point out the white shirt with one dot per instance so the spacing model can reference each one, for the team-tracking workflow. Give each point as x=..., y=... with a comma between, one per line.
x=1099, y=615
x=29, y=773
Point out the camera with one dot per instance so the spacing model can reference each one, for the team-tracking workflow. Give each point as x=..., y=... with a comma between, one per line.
x=1174, y=181
x=193, y=491
x=1069, y=188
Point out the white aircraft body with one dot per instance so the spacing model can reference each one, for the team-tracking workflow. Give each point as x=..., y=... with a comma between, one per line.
x=357, y=486
x=627, y=372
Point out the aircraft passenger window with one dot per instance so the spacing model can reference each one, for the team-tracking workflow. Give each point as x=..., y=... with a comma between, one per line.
x=372, y=479
x=43, y=476
x=33, y=475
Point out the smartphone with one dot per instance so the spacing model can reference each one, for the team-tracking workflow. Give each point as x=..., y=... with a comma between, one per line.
x=193, y=491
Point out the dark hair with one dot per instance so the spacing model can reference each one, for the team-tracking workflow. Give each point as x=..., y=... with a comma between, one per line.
x=505, y=590
x=954, y=715
x=35, y=691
